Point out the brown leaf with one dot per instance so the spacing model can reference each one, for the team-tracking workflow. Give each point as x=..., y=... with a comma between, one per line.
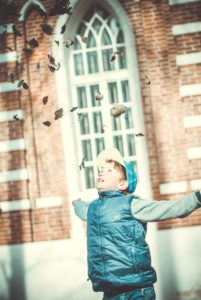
x=99, y=97
x=139, y=134
x=68, y=42
x=74, y=108
x=47, y=123
x=118, y=109
x=59, y=114
x=47, y=29
x=45, y=100
x=84, y=39
x=27, y=51
x=147, y=80
x=15, y=117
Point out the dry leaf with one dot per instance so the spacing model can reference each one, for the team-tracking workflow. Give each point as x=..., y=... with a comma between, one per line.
x=99, y=97
x=47, y=123
x=118, y=109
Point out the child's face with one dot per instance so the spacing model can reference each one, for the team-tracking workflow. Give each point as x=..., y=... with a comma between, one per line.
x=110, y=178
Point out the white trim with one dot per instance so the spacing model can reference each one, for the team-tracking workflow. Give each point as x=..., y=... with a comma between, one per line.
x=186, y=28
x=12, y=145
x=192, y=121
x=8, y=29
x=49, y=202
x=6, y=116
x=176, y=2
x=26, y=7
x=8, y=57
x=188, y=59
x=14, y=175
x=194, y=153
x=14, y=205
x=190, y=90
x=196, y=184
x=8, y=86
x=173, y=187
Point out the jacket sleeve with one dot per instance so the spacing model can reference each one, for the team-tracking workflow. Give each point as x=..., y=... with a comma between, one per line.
x=81, y=209
x=153, y=211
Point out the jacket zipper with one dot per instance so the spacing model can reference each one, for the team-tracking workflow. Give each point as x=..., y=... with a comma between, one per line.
x=102, y=254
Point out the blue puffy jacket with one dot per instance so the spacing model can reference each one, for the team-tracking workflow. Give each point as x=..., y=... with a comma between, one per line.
x=118, y=256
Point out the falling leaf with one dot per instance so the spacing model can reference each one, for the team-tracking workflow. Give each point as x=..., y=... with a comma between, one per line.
x=45, y=100
x=80, y=116
x=147, y=80
x=48, y=29
x=118, y=109
x=61, y=7
x=51, y=60
x=42, y=13
x=53, y=69
x=15, y=117
x=37, y=66
x=68, y=42
x=63, y=28
x=57, y=42
x=103, y=128
x=33, y=43
x=47, y=123
x=73, y=108
x=27, y=51
x=139, y=134
x=9, y=48
x=99, y=97
x=25, y=85
x=82, y=165
x=15, y=31
x=20, y=83
x=113, y=57
x=84, y=39
x=59, y=113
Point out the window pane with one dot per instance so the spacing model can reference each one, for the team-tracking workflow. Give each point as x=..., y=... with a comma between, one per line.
x=77, y=44
x=118, y=143
x=114, y=26
x=106, y=40
x=86, y=148
x=78, y=64
x=102, y=12
x=89, y=177
x=120, y=37
x=97, y=117
x=94, y=89
x=122, y=58
x=92, y=60
x=113, y=93
x=82, y=28
x=128, y=119
x=81, y=97
x=91, y=42
x=106, y=56
x=100, y=145
x=97, y=25
x=125, y=91
x=84, y=124
x=131, y=144
x=116, y=123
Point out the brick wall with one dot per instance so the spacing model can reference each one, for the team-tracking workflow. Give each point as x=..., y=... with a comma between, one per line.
x=164, y=109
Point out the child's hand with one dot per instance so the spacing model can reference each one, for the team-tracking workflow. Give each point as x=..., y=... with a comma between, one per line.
x=74, y=202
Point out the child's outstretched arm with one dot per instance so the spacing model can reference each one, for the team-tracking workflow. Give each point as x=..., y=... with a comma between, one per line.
x=81, y=209
x=153, y=211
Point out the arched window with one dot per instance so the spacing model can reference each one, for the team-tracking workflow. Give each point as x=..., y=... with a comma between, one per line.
x=99, y=67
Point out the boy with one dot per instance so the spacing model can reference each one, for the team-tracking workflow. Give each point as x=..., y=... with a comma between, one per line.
x=119, y=262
